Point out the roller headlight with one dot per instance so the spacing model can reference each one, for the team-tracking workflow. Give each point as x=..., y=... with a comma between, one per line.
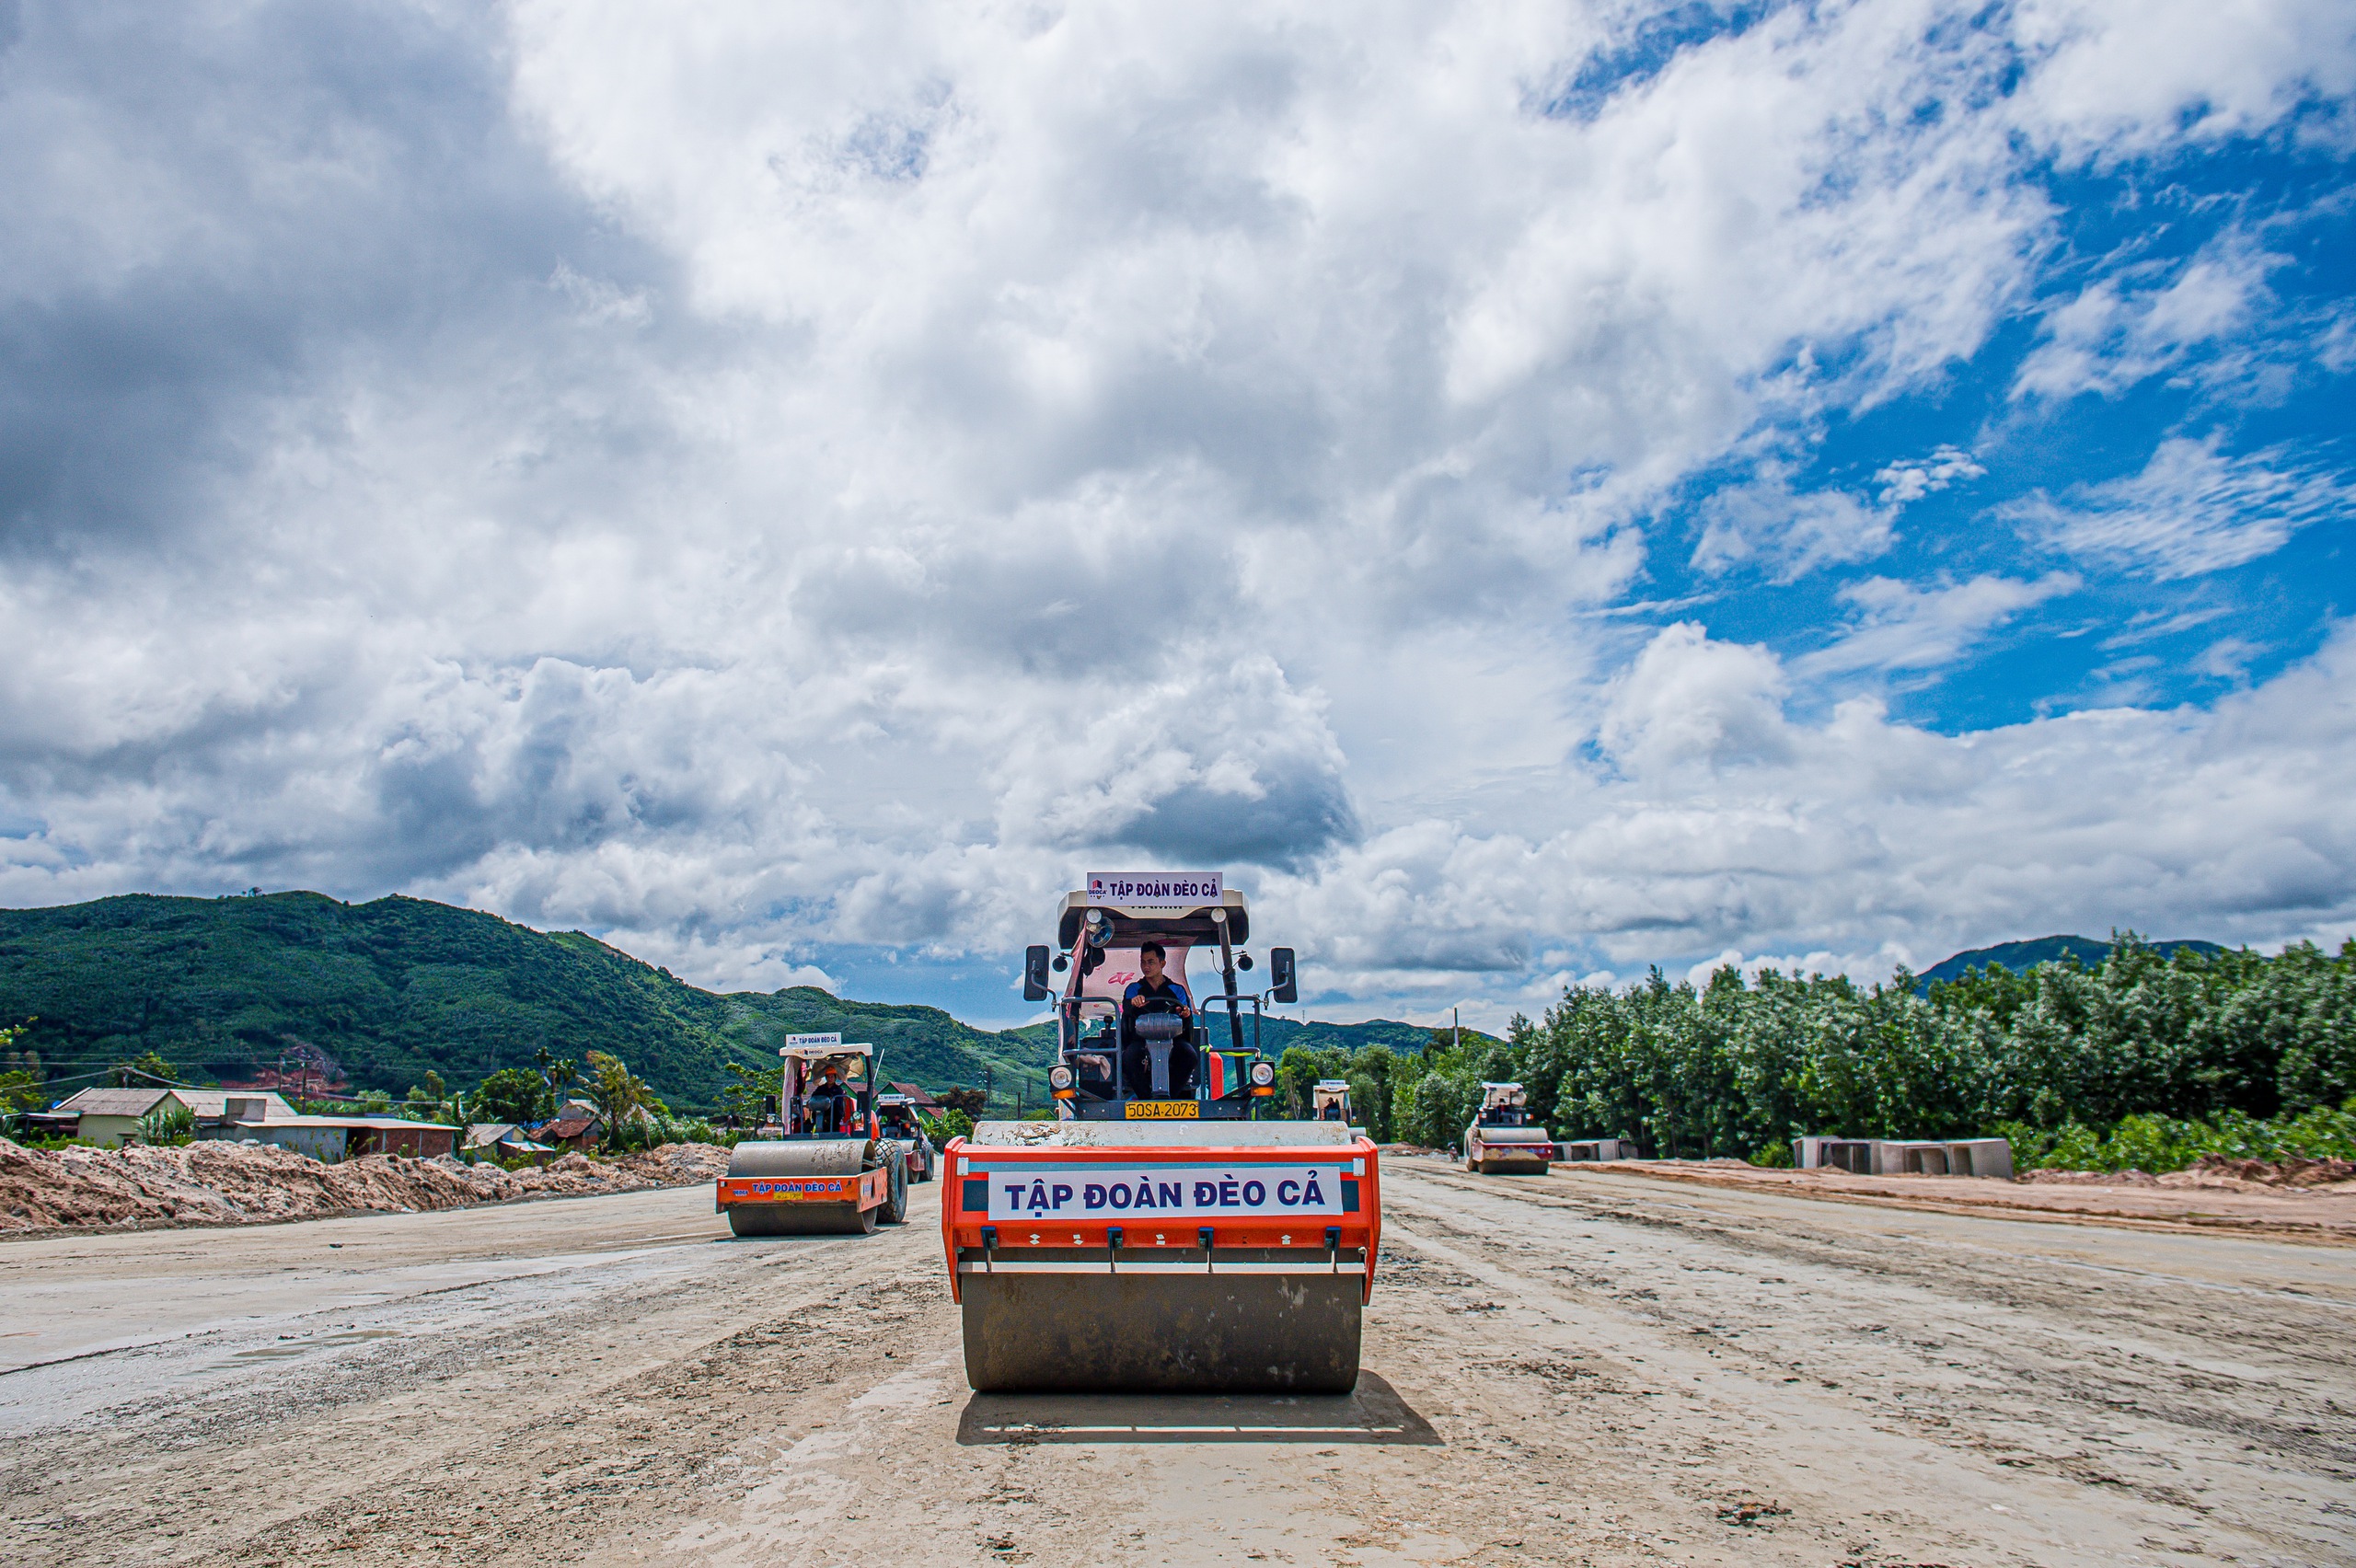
x=1060, y=1076
x=1262, y=1074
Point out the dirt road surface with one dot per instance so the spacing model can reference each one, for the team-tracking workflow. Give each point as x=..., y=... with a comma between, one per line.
x=1580, y=1369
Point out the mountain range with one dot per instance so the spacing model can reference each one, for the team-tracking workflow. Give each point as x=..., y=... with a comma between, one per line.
x=2025, y=955
x=394, y=988
x=391, y=989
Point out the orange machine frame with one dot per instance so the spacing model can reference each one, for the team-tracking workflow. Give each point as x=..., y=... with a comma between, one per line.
x=869, y=1189
x=961, y=1228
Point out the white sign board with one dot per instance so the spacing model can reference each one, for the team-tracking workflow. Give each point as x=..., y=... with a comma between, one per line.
x=1154, y=890
x=1152, y=1194
x=804, y=1042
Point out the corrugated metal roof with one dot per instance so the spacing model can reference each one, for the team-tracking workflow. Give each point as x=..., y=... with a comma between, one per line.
x=138, y=1101
x=112, y=1101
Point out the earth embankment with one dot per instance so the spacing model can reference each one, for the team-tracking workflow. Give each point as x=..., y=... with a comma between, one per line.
x=250, y=1184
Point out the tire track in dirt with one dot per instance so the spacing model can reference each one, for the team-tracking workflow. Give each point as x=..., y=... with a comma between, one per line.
x=2137, y=1388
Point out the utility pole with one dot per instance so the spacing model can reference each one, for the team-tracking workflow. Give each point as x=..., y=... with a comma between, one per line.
x=1455, y=1029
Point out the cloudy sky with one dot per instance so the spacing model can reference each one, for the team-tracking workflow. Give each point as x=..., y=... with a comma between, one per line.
x=1529, y=490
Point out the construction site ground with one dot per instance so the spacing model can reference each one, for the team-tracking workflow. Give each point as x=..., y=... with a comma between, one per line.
x=1587, y=1367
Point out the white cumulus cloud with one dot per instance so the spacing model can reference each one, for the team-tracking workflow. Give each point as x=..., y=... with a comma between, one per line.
x=753, y=480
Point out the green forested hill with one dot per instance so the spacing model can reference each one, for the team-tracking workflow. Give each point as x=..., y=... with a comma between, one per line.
x=2023, y=956
x=392, y=989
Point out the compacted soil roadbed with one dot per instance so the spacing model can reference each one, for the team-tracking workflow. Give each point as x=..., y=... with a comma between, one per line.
x=1580, y=1368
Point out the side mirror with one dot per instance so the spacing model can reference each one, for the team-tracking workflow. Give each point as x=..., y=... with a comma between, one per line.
x=1284, y=984
x=1035, y=975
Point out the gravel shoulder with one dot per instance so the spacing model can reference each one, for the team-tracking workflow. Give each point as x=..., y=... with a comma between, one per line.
x=1583, y=1367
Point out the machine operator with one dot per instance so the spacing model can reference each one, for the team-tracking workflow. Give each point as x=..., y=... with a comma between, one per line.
x=830, y=1105
x=1152, y=985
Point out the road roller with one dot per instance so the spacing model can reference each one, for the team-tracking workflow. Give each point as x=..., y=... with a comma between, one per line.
x=897, y=1123
x=833, y=1172
x=1330, y=1101
x=1166, y=1232
x=1501, y=1139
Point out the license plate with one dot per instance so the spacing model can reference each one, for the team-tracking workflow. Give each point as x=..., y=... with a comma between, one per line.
x=1163, y=1110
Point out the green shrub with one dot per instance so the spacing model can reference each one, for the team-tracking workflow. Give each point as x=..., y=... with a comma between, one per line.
x=514, y=1095
x=168, y=1125
x=948, y=1124
x=1438, y=1106
x=2162, y=1143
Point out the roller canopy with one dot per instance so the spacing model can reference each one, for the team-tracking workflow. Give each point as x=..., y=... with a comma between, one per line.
x=1194, y=926
x=821, y=1053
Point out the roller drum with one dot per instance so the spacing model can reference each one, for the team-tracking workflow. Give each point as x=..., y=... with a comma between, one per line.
x=1162, y=1333
x=812, y=1156
x=801, y=1219
x=1496, y=1151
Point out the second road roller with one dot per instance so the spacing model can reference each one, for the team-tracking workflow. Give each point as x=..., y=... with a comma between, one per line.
x=835, y=1169
x=1164, y=1233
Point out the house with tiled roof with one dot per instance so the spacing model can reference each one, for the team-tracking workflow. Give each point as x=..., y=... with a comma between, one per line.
x=572, y=1131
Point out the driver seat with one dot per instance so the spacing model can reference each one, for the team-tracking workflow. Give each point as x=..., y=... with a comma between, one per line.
x=1153, y=1067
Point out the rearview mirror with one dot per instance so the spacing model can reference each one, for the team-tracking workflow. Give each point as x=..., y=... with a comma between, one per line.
x=1035, y=975
x=1284, y=985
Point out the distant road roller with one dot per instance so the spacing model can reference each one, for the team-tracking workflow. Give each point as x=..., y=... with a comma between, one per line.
x=833, y=1173
x=1164, y=1234
x=1501, y=1138
x=897, y=1123
x=1330, y=1099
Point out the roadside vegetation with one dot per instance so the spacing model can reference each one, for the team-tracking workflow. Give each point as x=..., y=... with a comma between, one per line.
x=2147, y=1060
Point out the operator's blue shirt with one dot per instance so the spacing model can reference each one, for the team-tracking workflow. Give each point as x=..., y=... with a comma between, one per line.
x=1171, y=990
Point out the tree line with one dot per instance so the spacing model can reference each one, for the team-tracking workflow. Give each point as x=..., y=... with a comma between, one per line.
x=2060, y=1058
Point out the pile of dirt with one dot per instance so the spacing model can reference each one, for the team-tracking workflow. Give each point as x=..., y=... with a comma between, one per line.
x=2214, y=1172
x=248, y=1183
x=2277, y=1173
